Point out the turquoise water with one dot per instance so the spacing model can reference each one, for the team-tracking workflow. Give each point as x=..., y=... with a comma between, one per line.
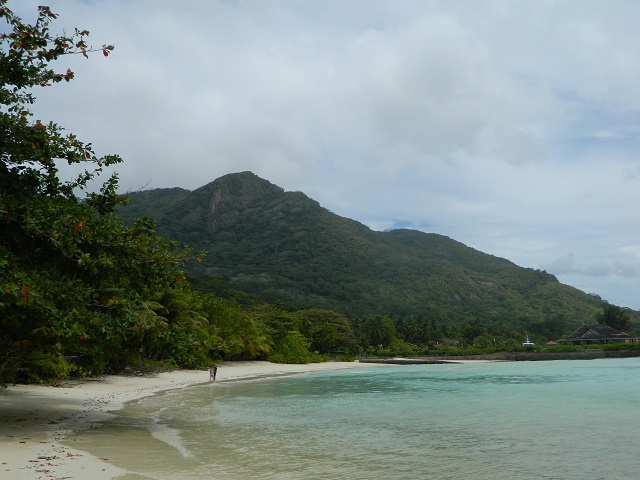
x=511, y=420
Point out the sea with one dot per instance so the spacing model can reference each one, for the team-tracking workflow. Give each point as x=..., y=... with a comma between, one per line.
x=571, y=419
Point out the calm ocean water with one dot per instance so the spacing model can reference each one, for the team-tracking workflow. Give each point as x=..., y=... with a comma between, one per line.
x=511, y=420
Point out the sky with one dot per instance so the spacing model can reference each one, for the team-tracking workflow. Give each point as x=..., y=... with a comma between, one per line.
x=512, y=126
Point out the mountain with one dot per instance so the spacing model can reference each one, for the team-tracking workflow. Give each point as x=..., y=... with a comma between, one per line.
x=284, y=247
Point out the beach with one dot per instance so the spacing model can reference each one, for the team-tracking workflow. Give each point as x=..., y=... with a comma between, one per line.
x=36, y=419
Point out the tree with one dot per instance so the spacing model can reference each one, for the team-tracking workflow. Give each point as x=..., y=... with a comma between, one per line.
x=239, y=335
x=294, y=348
x=330, y=331
x=75, y=283
x=615, y=317
x=470, y=330
x=484, y=341
x=379, y=330
x=551, y=326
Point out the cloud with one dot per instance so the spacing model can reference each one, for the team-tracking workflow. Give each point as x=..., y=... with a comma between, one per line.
x=509, y=126
x=427, y=87
x=561, y=265
x=632, y=250
x=564, y=265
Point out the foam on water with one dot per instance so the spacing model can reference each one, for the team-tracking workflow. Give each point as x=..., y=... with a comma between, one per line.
x=171, y=436
x=520, y=420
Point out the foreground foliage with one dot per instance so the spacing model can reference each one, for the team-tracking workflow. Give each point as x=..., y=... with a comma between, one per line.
x=80, y=291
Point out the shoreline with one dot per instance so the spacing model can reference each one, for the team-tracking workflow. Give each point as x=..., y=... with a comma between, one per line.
x=36, y=419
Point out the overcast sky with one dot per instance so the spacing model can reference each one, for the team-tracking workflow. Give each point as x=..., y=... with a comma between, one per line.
x=512, y=126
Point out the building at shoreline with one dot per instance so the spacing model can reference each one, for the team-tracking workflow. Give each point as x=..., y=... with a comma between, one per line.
x=598, y=333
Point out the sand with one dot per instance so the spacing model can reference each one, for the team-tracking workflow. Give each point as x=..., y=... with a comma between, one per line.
x=35, y=419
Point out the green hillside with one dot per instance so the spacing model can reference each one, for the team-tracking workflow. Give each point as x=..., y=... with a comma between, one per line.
x=284, y=247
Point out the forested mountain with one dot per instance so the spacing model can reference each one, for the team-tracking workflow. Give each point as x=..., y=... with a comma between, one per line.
x=284, y=247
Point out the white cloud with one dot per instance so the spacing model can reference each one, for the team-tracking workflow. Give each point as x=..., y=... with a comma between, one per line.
x=565, y=266
x=632, y=250
x=510, y=126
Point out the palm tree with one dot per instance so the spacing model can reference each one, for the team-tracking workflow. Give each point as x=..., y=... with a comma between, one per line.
x=379, y=330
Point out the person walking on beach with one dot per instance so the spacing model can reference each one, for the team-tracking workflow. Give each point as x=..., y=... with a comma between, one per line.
x=212, y=373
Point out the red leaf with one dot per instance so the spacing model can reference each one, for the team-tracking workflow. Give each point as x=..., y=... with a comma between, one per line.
x=105, y=53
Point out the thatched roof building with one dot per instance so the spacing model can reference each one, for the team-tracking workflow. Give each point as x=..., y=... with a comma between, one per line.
x=598, y=333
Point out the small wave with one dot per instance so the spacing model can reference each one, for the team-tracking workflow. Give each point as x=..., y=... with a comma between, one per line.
x=168, y=435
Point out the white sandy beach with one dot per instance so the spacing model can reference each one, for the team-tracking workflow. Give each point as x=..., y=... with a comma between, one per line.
x=35, y=419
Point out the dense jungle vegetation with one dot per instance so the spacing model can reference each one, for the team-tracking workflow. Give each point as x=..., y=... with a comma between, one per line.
x=83, y=292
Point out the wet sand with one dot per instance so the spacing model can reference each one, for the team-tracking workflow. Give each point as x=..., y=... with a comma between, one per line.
x=36, y=419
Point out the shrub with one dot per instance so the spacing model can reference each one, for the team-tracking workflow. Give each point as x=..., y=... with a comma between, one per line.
x=294, y=348
x=47, y=367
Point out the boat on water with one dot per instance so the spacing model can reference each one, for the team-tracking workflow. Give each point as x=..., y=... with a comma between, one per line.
x=528, y=343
